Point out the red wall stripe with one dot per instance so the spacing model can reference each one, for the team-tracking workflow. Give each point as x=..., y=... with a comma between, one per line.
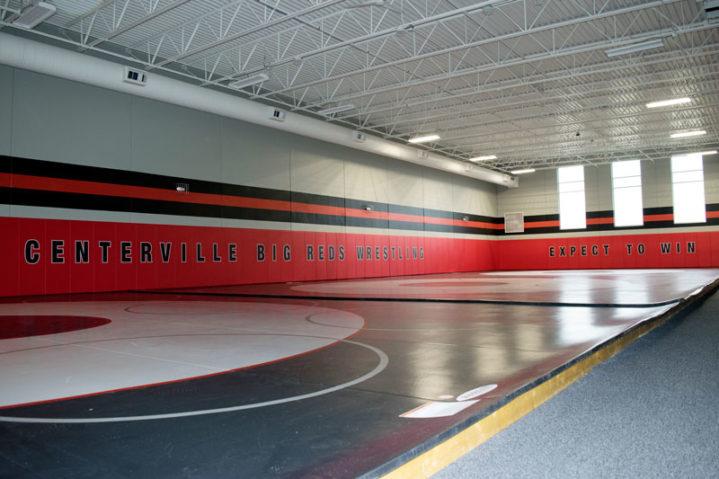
x=139, y=192
x=664, y=217
x=6, y=180
x=541, y=224
x=600, y=221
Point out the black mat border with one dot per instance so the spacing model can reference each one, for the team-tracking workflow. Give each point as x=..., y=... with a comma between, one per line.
x=677, y=313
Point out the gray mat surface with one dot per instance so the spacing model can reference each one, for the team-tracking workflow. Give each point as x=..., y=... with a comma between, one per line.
x=651, y=411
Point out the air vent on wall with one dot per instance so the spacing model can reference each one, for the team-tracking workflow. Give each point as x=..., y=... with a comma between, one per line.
x=134, y=76
x=278, y=115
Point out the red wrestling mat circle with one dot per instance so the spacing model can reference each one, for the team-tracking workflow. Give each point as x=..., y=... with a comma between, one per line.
x=452, y=284
x=32, y=325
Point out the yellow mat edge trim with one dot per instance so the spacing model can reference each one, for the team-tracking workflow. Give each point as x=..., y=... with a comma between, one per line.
x=440, y=456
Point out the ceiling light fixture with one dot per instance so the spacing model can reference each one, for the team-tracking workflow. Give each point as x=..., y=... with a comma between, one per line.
x=483, y=158
x=634, y=48
x=249, y=81
x=688, y=134
x=33, y=15
x=523, y=171
x=336, y=109
x=706, y=153
x=423, y=138
x=663, y=103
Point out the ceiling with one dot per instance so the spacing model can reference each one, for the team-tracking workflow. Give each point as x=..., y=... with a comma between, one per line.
x=529, y=81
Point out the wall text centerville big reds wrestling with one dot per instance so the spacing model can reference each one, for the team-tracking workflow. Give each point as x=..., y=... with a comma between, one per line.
x=82, y=251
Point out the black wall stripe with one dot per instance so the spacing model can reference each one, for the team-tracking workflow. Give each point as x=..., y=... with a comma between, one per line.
x=647, y=225
x=68, y=171
x=109, y=203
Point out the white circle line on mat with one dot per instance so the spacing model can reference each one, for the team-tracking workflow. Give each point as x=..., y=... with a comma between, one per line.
x=381, y=366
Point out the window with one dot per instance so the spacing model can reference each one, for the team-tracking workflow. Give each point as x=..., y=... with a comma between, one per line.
x=688, y=189
x=627, y=193
x=572, y=209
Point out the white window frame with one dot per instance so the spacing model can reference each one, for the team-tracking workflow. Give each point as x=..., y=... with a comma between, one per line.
x=625, y=185
x=688, y=196
x=572, y=198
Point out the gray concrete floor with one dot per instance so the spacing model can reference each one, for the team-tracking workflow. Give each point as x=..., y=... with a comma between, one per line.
x=651, y=411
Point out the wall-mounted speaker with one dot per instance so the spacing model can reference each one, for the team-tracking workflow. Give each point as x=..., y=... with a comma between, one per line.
x=135, y=76
x=278, y=115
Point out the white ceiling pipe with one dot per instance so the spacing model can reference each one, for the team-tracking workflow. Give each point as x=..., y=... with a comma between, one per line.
x=50, y=60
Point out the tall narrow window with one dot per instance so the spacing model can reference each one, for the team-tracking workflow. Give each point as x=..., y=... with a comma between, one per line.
x=627, y=193
x=572, y=208
x=688, y=189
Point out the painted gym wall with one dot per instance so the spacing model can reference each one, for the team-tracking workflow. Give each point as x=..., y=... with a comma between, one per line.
x=309, y=193
x=658, y=244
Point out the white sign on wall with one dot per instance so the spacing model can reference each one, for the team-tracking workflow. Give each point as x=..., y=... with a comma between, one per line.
x=514, y=222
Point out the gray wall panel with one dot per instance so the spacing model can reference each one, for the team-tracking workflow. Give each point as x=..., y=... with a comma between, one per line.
x=316, y=170
x=169, y=139
x=536, y=195
x=366, y=179
x=255, y=156
x=467, y=197
x=317, y=174
x=711, y=178
x=598, y=187
x=657, y=183
x=437, y=191
x=405, y=185
x=6, y=97
x=61, y=120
